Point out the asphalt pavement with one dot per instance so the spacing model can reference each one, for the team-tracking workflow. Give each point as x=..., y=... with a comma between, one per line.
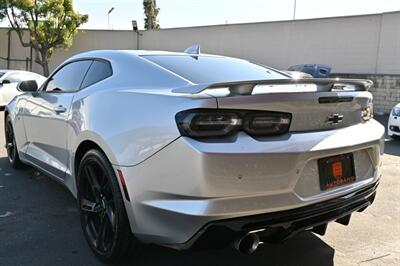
x=39, y=225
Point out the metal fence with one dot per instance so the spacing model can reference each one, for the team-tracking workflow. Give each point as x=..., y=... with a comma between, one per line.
x=15, y=60
x=27, y=61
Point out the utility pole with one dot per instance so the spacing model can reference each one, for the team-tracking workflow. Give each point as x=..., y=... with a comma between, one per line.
x=138, y=34
x=151, y=16
x=294, y=10
x=150, y=24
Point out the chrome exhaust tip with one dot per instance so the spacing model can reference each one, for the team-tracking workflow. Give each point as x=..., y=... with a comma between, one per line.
x=247, y=244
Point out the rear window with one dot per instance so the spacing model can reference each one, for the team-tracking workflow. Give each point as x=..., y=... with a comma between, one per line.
x=98, y=71
x=213, y=69
x=1, y=74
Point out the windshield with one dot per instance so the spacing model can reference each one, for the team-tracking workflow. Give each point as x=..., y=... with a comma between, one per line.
x=213, y=69
x=1, y=74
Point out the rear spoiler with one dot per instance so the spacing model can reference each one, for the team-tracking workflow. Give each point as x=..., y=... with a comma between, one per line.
x=246, y=87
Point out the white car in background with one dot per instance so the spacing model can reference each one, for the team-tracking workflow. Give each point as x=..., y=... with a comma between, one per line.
x=9, y=80
x=394, y=122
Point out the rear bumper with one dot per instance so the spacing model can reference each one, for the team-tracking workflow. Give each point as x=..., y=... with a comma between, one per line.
x=279, y=226
x=189, y=184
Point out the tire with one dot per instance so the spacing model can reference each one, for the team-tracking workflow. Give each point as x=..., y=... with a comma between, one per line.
x=11, y=145
x=102, y=211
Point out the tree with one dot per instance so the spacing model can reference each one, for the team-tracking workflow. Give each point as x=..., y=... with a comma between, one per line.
x=151, y=11
x=50, y=23
x=2, y=8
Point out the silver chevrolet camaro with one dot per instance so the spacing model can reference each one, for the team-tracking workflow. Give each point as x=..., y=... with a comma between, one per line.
x=192, y=150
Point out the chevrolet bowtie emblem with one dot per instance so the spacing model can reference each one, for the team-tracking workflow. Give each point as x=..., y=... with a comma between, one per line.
x=335, y=119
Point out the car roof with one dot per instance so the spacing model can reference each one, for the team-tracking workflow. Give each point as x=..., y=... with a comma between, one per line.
x=110, y=54
x=19, y=71
x=14, y=70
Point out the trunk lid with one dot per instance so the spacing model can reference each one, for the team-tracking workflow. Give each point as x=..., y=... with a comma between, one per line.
x=315, y=104
x=310, y=111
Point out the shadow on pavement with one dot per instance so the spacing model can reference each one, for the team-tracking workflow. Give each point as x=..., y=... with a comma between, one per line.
x=44, y=229
x=304, y=249
x=392, y=147
x=383, y=119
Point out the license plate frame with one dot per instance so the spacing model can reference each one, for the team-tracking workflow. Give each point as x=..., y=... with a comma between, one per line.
x=336, y=171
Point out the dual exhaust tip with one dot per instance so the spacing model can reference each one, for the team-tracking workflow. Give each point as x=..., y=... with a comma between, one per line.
x=247, y=243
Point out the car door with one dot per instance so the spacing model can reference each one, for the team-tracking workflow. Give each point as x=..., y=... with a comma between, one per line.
x=46, y=115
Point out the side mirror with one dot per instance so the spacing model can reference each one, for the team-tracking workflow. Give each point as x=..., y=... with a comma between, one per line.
x=28, y=86
x=5, y=81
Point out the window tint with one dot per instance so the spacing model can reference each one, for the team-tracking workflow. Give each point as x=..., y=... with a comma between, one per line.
x=99, y=70
x=204, y=69
x=309, y=69
x=69, y=77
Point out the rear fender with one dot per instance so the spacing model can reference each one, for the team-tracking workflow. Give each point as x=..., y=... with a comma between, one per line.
x=131, y=126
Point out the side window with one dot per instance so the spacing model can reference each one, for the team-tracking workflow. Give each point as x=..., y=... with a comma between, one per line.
x=98, y=71
x=69, y=77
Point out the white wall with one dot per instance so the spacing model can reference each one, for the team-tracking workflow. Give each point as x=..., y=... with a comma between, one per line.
x=348, y=44
x=356, y=44
x=389, y=46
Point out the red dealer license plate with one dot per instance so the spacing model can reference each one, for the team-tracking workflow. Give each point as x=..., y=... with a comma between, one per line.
x=336, y=171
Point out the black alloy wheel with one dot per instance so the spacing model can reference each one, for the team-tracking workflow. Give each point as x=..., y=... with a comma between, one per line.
x=11, y=145
x=102, y=211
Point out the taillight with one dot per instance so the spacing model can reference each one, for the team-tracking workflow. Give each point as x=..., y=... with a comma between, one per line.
x=200, y=124
x=205, y=123
x=368, y=112
x=264, y=124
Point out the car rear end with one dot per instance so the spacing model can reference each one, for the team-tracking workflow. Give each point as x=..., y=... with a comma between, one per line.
x=275, y=157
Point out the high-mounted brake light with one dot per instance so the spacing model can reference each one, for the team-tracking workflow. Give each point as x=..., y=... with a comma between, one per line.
x=206, y=123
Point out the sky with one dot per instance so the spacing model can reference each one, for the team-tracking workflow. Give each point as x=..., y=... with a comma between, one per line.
x=183, y=13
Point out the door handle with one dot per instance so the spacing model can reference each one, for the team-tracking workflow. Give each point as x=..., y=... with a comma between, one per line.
x=60, y=109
